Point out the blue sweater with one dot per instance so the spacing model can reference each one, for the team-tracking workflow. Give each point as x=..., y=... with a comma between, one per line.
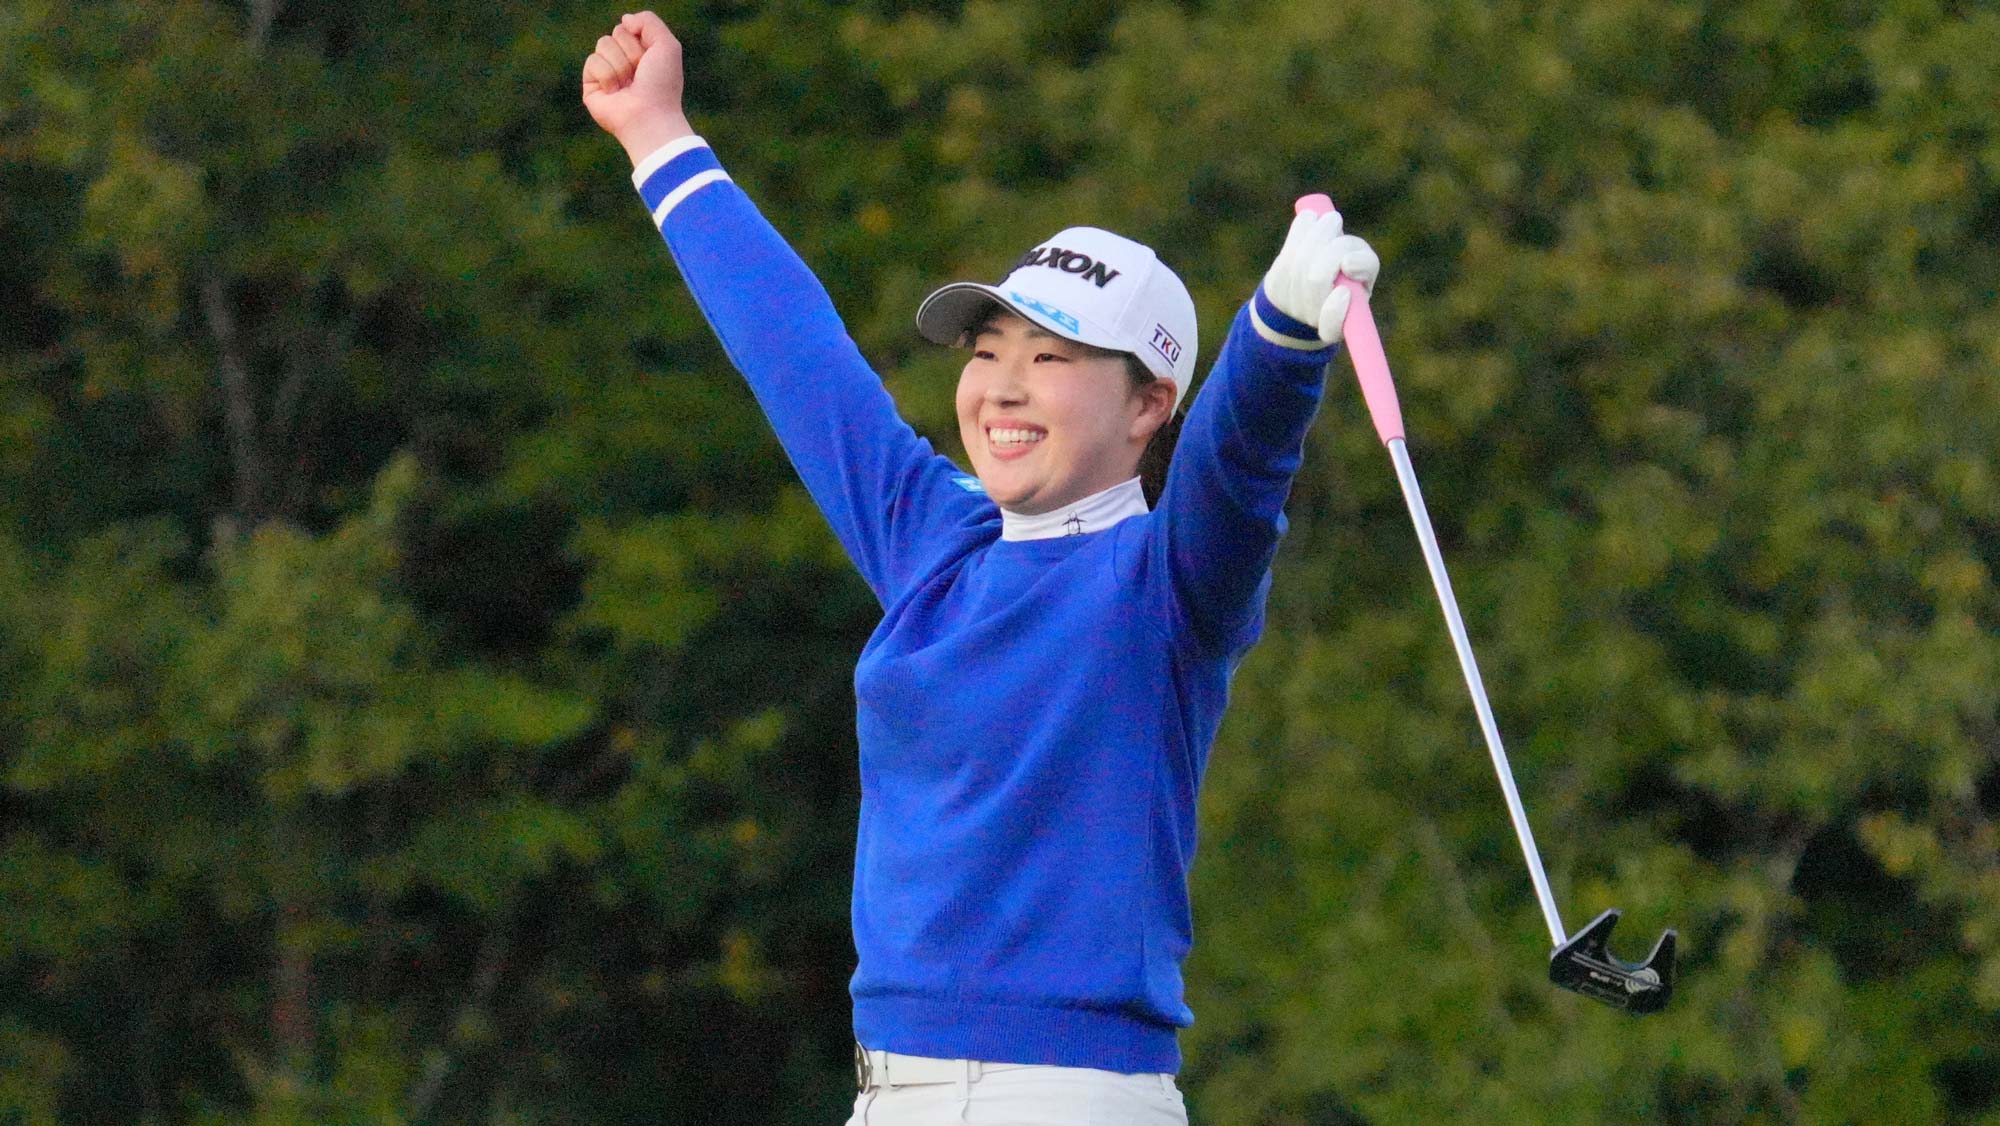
x=1034, y=716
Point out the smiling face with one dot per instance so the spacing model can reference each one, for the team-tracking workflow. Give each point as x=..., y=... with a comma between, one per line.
x=1047, y=421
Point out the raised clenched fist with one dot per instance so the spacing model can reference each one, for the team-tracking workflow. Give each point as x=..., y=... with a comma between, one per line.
x=632, y=84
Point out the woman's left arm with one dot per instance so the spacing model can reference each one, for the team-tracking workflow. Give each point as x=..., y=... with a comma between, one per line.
x=1221, y=512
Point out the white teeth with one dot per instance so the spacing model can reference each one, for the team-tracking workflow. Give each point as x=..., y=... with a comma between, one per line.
x=1014, y=437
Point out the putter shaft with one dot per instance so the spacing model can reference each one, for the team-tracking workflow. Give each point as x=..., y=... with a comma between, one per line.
x=1413, y=496
x=1371, y=368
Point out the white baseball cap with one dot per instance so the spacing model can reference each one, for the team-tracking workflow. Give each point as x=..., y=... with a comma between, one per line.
x=1087, y=285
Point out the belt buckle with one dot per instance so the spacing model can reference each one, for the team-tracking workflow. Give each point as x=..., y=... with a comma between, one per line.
x=863, y=1068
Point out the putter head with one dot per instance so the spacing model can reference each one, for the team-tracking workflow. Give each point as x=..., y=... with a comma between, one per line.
x=1585, y=965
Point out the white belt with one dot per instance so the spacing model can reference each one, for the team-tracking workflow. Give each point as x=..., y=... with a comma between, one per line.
x=875, y=1068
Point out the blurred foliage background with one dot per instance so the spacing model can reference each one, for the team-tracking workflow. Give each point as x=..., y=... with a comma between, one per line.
x=424, y=693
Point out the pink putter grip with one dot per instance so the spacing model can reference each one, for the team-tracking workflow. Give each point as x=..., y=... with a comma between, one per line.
x=1364, y=343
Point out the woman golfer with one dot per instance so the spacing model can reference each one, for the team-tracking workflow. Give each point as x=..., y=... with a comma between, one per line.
x=1037, y=705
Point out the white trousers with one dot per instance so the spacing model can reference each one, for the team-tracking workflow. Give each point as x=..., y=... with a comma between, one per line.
x=1026, y=1095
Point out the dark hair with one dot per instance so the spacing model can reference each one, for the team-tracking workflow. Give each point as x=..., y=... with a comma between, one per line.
x=1159, y=451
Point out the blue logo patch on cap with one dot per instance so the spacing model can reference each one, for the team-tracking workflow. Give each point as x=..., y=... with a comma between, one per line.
x=1050, y=311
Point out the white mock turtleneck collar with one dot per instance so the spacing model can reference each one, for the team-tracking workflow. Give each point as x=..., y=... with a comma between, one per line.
x=1093, y=513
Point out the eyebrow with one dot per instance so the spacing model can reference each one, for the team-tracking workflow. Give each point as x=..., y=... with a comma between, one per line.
x=1035, y=332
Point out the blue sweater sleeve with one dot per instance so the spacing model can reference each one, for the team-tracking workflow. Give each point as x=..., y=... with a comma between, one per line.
x=1221, y=513
x=886, y=492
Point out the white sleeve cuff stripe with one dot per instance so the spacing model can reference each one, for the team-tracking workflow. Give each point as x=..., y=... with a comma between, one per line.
x=686, y=189
x=1280, y=339
x=662, y=155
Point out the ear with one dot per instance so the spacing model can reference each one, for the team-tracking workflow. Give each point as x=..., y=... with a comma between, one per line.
x=1156, y=405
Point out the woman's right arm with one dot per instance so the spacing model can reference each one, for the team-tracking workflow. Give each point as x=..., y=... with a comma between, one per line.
x=880, y=485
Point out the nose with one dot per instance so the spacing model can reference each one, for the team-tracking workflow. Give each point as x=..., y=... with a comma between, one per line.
x=1007, y=388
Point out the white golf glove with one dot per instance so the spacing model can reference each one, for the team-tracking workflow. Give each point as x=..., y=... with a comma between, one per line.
x=1300, y=282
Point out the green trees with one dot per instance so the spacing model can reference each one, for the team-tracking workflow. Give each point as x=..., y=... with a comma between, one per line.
x=400, y=679
x=426, y=694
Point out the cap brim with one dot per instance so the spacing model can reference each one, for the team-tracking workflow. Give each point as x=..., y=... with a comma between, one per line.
x=956, y=309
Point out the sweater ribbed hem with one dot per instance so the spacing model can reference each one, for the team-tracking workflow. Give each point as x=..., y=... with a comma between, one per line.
x=1109, y=1041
